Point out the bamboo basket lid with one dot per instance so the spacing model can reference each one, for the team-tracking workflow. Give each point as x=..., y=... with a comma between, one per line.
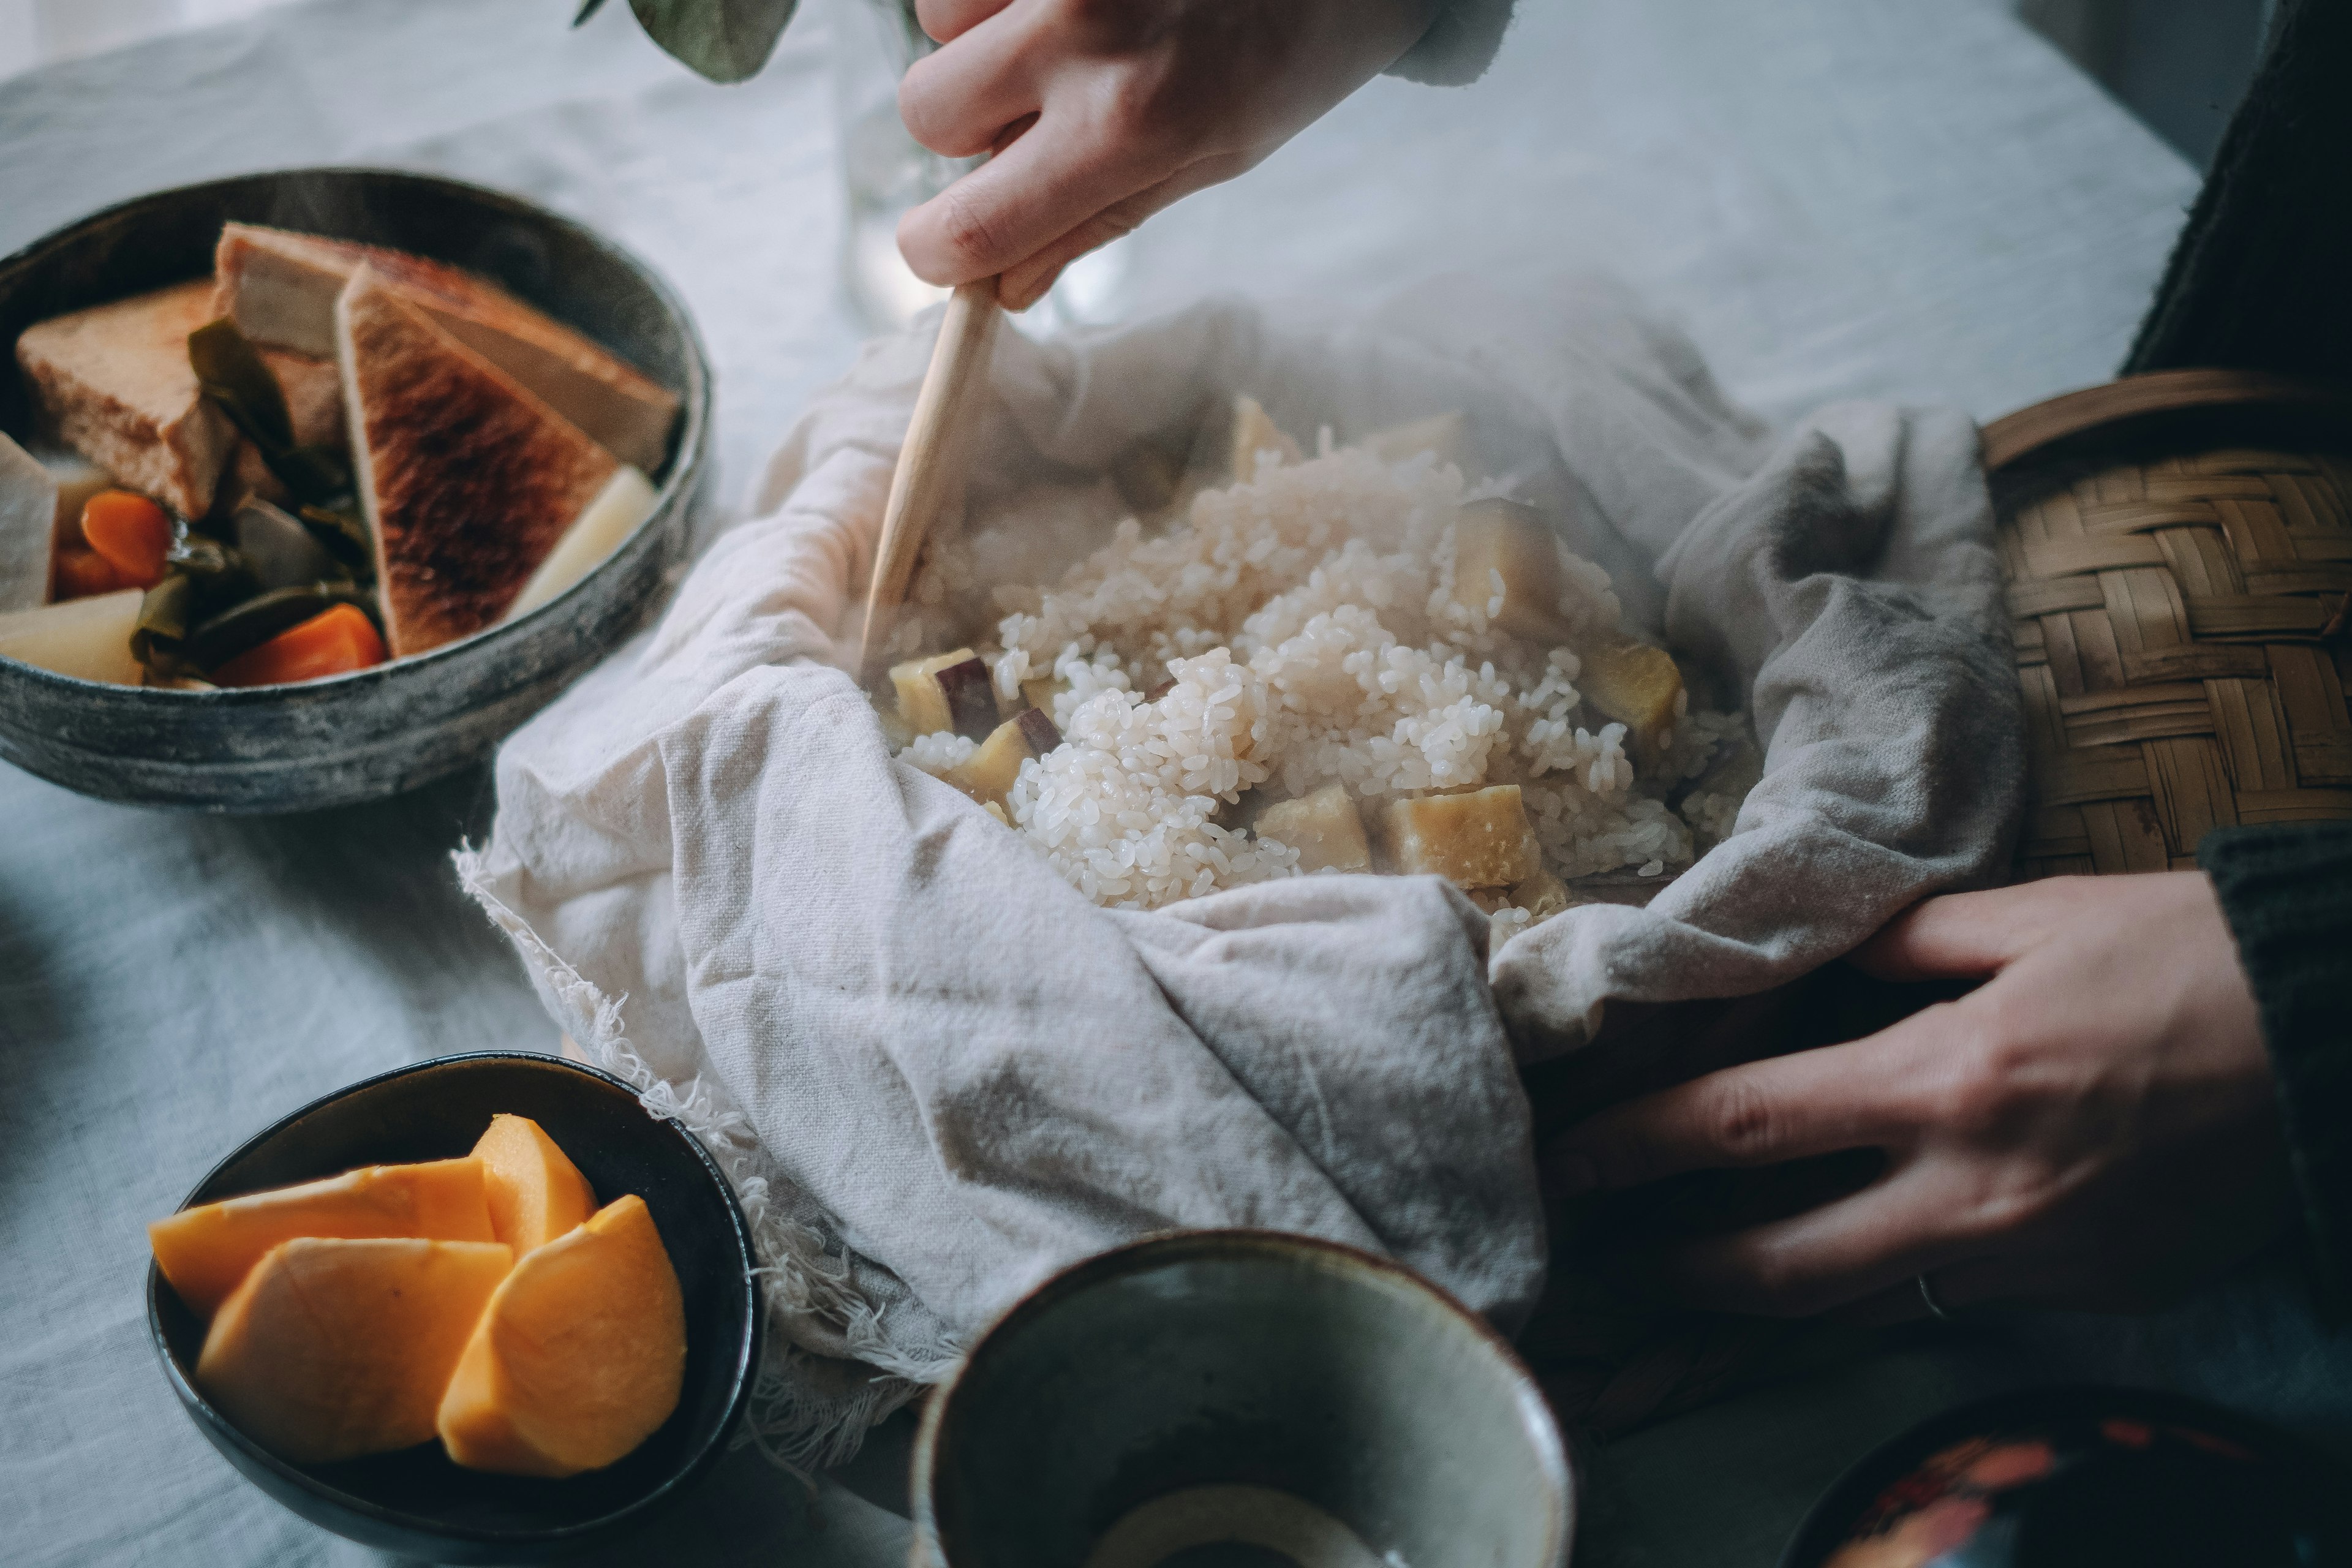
x=2179, y=553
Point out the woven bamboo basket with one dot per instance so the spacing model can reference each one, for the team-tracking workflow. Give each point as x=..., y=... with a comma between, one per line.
x=2178, y=550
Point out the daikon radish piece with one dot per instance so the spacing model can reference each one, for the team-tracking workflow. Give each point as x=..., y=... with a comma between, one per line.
x=89, y=639
x=1480, y=838
x=28, y=510
x=626, y=500
x=536, y=1193
x=335, y=1347
x=1324, y=827
x=204, y=1251
x=579, y=1356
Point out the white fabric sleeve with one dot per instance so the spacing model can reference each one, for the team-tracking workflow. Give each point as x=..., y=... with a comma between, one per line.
x=1459, y=46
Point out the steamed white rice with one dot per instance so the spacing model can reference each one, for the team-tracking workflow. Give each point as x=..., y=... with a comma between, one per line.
x=1309, y=622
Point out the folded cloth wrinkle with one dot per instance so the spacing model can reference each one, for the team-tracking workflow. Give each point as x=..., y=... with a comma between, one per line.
x=945, y=1073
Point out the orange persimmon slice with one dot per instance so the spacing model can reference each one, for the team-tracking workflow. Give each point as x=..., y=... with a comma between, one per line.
x=130, y=533
x=204, y=1251
x=335, y=642
x=579, y=1356
x=536, y=1192
x=335, y=1347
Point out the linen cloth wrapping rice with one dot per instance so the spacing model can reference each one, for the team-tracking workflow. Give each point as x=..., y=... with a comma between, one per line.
x=936, y=1072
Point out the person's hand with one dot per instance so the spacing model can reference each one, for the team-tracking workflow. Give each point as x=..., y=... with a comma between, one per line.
x=2094, y=1127
x=1103, y=111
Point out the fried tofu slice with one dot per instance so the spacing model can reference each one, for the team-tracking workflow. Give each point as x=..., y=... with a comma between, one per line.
x=468, y=480
x=115, y=385
x=281, y=289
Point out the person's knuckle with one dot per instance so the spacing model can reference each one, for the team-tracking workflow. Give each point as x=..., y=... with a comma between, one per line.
x=970, y=230
x=1742, y=1121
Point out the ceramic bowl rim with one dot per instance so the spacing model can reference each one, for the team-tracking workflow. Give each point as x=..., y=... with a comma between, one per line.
x=1241, y=1242
x=685, y=465
x=1890, y=1460
x=695, y=1465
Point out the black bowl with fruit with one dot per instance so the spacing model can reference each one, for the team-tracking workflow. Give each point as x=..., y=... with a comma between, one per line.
x=315, y=484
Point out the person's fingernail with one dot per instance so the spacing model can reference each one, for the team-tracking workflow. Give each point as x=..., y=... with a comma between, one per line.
x=1572, y=1174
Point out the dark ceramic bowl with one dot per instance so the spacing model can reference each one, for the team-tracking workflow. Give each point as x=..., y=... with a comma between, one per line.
x=377, y=732
x=2075, y=1476
x=416, y=1503
x=1241, y=1397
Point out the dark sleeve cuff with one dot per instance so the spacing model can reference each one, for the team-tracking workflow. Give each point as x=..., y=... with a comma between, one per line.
x=1459, y=46
x=2286, y=892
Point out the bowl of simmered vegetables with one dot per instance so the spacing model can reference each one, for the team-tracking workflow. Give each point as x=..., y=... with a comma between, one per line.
x=315, y=484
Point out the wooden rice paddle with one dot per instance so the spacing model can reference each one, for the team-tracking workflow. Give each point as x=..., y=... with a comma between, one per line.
x=930, y=471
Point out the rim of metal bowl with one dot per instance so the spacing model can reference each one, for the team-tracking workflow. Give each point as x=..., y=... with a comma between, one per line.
x=685, y=467
x=1152, y=1251
x=698, y=1463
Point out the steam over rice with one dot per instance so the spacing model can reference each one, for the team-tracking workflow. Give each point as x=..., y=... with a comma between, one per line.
x=1308, y=630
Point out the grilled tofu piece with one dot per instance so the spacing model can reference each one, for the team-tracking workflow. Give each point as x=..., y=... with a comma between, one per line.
x=115, y=385
x=281, y=289
x=468, y=480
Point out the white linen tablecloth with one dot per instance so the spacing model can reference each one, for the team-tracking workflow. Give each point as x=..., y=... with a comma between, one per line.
x=1885, y=198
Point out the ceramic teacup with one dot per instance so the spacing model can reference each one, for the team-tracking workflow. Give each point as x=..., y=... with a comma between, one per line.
x=1240, y=1399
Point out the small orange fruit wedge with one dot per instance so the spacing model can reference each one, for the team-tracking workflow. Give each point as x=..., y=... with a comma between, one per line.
x=204, y=1251
x=579, y=1356
x=333, y=1348
x=535, y=1192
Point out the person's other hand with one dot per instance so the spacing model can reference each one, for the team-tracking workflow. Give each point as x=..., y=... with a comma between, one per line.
x=1103, y=111
x=2094, y=1127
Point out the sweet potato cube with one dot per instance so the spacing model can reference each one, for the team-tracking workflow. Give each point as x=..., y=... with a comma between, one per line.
x=1478, y=839
x=1324, y=827
x=204, y=1251
x=987, y=775
x=535, y=1192
x=939, y=693
x=333, y=1348
x=579, y=1356
x=1636, y=684
x=1504, y=550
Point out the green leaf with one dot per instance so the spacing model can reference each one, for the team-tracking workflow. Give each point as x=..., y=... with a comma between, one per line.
x=725, y=40
x=587, y=9
x=234, y=374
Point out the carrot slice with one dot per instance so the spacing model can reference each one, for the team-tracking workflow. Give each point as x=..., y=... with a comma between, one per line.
x=335, y=642
x=131, y=532
x=81, y=572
